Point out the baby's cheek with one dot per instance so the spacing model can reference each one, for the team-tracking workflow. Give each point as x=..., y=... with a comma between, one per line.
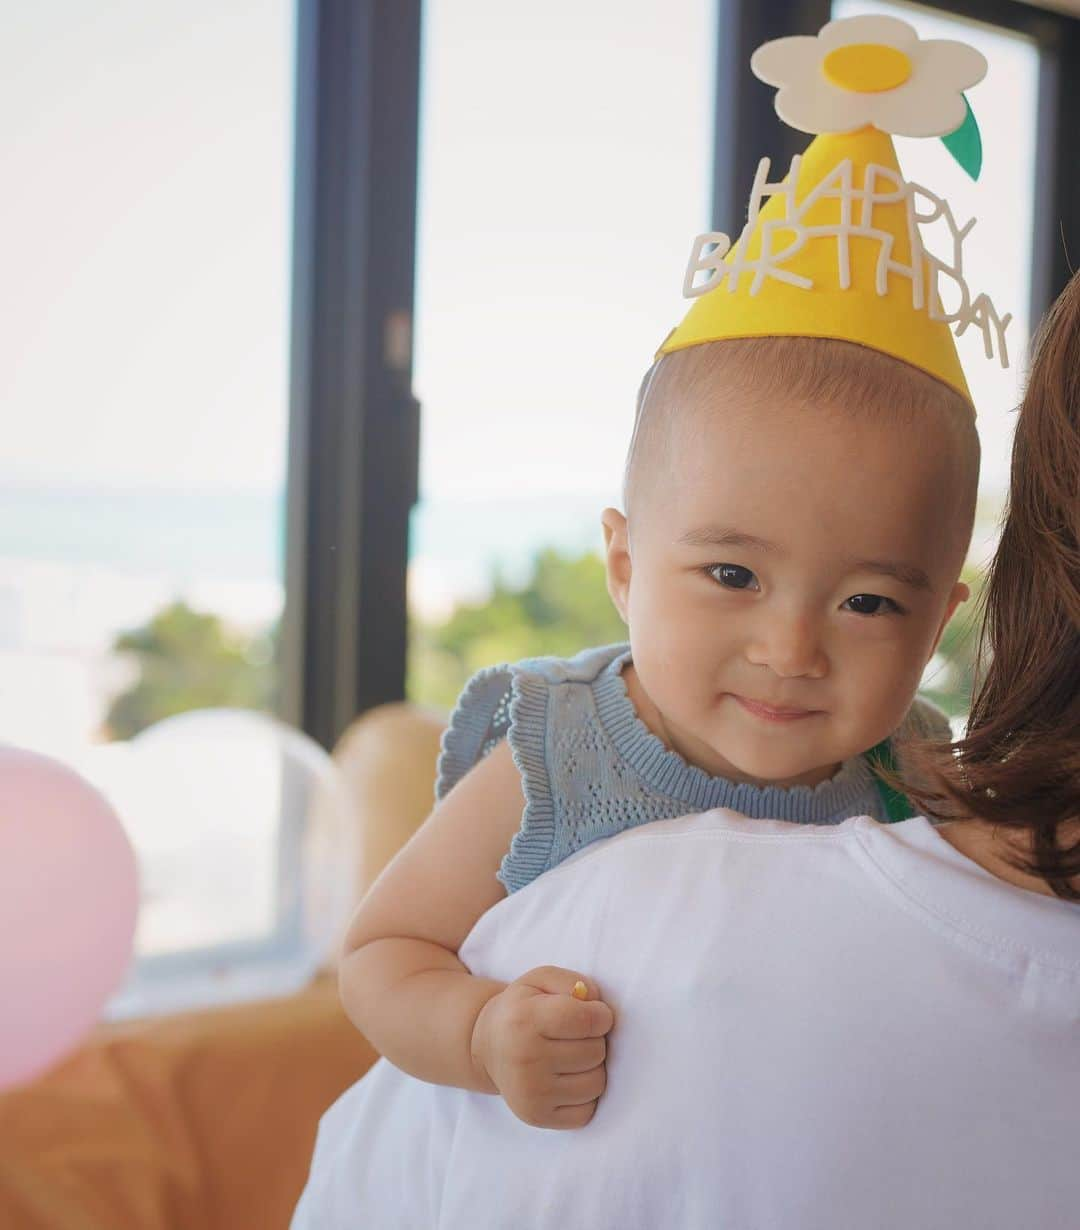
x=672, y=680
x=661, y=674
x=880, y=698
x=663, y=644
x=685, y=665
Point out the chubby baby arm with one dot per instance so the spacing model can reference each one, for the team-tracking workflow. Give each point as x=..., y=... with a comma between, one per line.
x=404, y=987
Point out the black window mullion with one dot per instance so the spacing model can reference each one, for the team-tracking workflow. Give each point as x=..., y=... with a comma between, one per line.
x=1056, y=239
x=353, y=425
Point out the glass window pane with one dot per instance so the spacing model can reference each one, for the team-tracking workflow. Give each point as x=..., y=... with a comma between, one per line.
x=997, y=260
x=144, y=310
x=565, y=169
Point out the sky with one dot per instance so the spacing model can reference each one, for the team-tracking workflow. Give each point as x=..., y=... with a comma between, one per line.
x=145, y=232
x=144, y=238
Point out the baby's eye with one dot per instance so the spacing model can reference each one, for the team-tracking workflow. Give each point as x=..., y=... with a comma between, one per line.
x=733, y=576
x=870, y=604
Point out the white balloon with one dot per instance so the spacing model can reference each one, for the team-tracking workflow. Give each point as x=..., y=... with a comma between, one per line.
x=248, y=847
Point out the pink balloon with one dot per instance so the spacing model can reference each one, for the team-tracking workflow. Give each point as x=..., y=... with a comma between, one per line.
x=68, y=904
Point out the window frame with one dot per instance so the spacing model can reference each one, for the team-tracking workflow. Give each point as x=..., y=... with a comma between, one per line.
x=354, y=423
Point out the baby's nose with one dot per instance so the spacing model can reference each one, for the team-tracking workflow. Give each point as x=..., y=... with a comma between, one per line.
x=790, y=645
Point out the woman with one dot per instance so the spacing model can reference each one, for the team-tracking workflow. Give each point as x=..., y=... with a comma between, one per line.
x=1018, y=769
x=862, y=1025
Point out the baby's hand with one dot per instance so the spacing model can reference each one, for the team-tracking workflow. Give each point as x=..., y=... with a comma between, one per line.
x=541, y=1042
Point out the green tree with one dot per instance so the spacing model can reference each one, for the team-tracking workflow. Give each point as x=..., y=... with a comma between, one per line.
x=562, y=607
x=188, y=660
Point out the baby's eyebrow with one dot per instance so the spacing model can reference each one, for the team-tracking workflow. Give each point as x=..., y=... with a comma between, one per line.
x=719, y=536
x=906, y=574
x=722, y=536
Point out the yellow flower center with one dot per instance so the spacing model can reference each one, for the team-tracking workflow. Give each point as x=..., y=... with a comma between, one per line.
x=866, y=68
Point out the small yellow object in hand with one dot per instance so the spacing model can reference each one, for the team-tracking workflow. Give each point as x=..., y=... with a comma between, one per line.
x=580, y=991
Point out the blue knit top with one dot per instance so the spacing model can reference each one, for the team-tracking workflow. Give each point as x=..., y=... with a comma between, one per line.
x=590, y=767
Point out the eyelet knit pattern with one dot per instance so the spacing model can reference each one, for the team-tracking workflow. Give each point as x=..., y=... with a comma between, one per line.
x=590, y=768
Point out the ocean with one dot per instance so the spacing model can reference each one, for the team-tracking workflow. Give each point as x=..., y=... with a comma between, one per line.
x=239, y=535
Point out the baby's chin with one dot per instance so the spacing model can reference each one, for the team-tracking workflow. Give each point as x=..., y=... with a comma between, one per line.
x=770, y=763
x=747, y=746
x=805, y=752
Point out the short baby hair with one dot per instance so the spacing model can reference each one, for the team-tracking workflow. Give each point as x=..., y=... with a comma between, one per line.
x=822, y=372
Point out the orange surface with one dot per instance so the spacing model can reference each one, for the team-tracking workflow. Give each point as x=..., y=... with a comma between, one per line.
x=195, y=1122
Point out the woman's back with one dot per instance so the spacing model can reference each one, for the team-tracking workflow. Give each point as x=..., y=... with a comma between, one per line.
x=823, y=1027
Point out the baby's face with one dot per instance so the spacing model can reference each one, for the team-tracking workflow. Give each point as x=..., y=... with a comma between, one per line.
x=788, y=573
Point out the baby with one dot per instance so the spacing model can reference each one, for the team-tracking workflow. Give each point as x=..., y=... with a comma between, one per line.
x=799, y=499
x=797, y=514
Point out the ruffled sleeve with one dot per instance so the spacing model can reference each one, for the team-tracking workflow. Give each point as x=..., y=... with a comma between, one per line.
x=479, y=721
x=511, y=702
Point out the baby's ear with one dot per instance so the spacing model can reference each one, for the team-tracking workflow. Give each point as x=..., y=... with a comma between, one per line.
x=960, y=593
x=617, y=559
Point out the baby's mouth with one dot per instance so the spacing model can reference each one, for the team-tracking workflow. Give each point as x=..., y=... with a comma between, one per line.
x=773, y=713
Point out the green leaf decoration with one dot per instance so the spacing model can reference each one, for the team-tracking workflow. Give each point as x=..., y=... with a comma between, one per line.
x=965, y=143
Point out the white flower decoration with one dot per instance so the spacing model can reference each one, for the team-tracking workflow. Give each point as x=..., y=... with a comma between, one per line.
x=870, y=70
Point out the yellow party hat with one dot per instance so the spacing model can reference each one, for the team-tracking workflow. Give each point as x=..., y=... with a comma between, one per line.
x=835, y=250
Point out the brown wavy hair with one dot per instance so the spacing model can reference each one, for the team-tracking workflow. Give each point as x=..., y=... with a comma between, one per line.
x=1018, y=765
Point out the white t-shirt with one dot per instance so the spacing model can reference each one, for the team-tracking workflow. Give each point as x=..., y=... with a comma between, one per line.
x=817, y=1028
